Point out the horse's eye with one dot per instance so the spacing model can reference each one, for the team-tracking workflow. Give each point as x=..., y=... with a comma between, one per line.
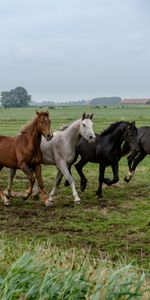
x=84, y=125
x=130, y=134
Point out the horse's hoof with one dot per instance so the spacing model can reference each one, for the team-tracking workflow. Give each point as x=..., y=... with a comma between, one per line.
x=82, y=187
x=77, y=202
x=7, y=203
x=107, y=181
x=6, y=200
x=48, y=203
x=26, y=194
x=6, y=193
x=25, y=198
x=127, y=179
x=102, y=203
x=98, y=194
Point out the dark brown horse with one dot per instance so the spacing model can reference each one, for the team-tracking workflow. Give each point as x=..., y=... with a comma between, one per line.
x=23, y=152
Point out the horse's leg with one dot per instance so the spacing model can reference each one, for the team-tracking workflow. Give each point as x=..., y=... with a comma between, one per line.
x=2, y=195
x=83, y=180
x=130, y=159
x=69, y=167
x=66, y=181
x=57, y=183
x=35, y=190
x=64, y=170
x=102, y=168
x=11, y=176
x=24, y=167
x=12, y=173
x=135, y=161
x=37, y=171
x=115, y=175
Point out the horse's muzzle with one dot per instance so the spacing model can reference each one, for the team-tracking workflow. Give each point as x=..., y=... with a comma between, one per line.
x=135, y=149
x=92, y=139
x=49, y=136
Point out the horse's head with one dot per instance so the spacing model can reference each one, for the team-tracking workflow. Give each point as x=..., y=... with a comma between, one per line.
x=130, y=136
x=86, y=128
x=44, y=125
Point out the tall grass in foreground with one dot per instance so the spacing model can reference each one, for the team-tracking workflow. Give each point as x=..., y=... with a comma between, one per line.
x=44, y=272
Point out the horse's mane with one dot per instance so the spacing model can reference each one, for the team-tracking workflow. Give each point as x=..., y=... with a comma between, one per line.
x=31, y=124
x=28, y=126
x=111, y=128
x=87, y=116
x=64, y=127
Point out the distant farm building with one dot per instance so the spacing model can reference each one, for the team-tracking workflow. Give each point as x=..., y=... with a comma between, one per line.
x=105, y=101
x=136, y=101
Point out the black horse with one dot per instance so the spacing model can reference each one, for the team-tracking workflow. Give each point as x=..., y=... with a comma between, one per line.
x=106, y=151
x=135, y=158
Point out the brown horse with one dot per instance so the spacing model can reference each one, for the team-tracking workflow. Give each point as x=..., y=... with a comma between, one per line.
x=23, y=152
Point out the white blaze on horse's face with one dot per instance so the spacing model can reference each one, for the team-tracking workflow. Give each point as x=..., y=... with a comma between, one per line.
x=86, y=130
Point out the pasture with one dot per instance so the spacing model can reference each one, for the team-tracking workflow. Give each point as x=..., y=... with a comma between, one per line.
x=120, y=232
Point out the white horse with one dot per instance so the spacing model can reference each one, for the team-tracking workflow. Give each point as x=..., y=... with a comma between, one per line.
x=60, y=151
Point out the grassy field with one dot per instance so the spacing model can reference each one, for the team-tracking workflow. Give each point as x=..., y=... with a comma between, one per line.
x=119, y=233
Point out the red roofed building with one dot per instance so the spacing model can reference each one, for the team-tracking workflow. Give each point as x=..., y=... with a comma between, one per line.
x=136, y=101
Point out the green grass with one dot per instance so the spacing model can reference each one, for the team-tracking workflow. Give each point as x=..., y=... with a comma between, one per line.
x=120, y=231
x=12, y=119
x=46, y=272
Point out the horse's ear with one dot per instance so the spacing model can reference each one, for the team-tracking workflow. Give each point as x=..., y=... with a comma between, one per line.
x=91, y=116
x=37, y=113
x=83, y=116
x=132, y=123
x=47, y=113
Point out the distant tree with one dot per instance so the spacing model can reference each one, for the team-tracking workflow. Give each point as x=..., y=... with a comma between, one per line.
x=17, y=97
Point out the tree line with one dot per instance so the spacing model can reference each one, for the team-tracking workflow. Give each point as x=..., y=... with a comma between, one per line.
x=17, y=97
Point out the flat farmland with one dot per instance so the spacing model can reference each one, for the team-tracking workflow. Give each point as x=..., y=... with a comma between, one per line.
x=122, y=228
x=97, y=253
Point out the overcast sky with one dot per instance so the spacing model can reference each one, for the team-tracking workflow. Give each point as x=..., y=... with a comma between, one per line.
x=65, y=50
